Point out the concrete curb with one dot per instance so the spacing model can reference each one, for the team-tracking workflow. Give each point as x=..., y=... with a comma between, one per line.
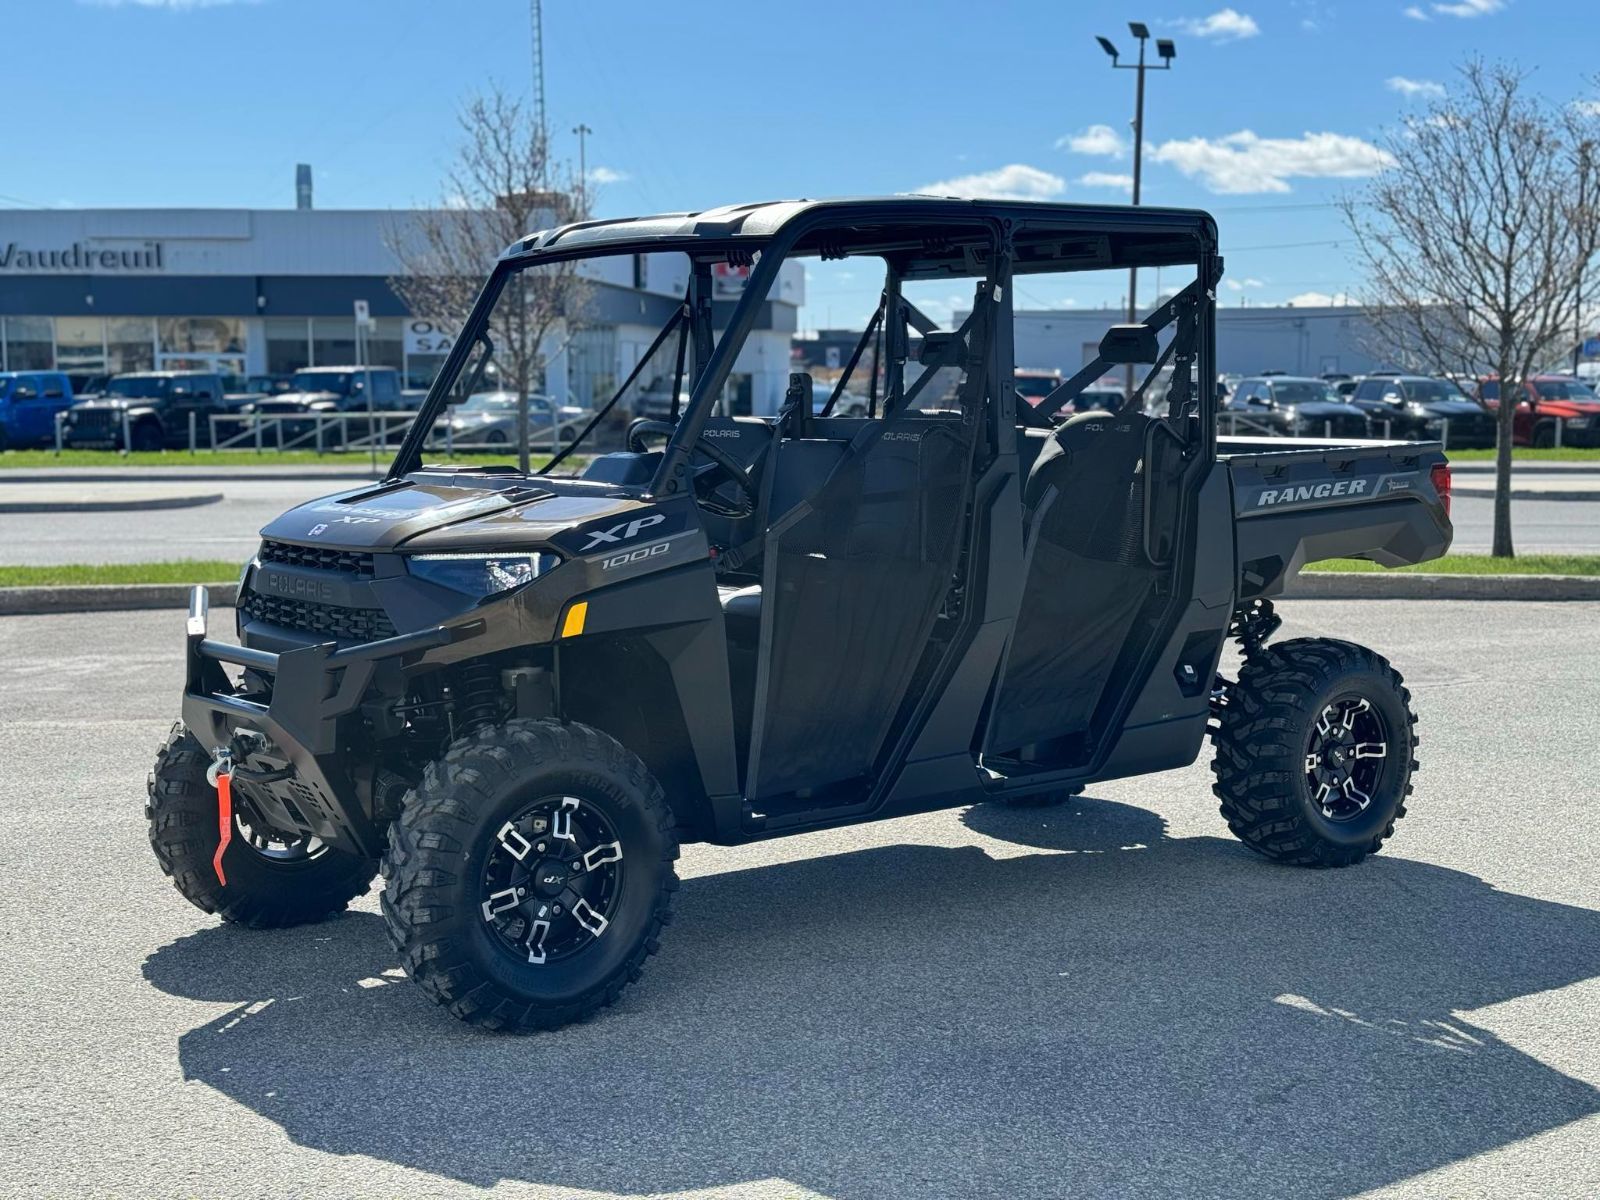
x=150, y=504
x=1310, y=585
x=183, y=475
x=113, y=597
x=1396, y=585
x=1478, y=493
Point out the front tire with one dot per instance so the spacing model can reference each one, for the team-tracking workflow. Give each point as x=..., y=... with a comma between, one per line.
x=272, y=882
x=530, y=874
x=1315, y=748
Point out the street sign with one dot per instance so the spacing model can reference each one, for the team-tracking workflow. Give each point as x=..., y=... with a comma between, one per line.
x=363, y=313
x=1591, y=348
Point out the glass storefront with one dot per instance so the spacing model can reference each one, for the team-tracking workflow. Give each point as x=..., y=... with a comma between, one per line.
x=129, y=342
x=29, y=344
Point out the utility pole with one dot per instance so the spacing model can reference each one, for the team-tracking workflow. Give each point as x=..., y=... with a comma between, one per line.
x=583, y=131
x=1167, y=51
x=536, y=20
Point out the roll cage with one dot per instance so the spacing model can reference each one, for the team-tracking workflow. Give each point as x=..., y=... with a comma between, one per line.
x=917, y=237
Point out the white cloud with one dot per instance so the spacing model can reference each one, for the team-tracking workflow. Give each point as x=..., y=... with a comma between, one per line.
x=1411, y=88
x=1243, y=163
x=1097, y=139
x=1239, y=285
x=1014, y=182
x=1321, y=300
x=1469, y=8
x=168, y=5
x=1107, y=179
x=1225, y=25
x=1415, y=13
x=608, y=175
x=1586, y=108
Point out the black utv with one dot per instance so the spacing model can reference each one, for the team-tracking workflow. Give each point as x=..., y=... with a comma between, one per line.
x=521, y=692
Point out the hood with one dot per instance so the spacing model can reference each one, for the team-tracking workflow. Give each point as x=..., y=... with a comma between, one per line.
x=1568, y=408
x=115, y=403
x=1453, y=409
x=441, y=510
x=1328, y=409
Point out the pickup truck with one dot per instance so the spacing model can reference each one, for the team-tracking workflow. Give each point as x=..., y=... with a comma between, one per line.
x=147, y=410
x=29, y=402
x=331, y=392
x=522, y=690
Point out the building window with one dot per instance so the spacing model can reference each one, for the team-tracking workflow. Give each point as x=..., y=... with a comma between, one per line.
x=386, y=346
x=130, y=344
x=80, y=344
x=29, y=344
x=288, y=344
x=333, y=341
x=201, y=335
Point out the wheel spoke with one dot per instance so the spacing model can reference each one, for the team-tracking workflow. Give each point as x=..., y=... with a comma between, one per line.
x=594, y=922
x=1352, y=711
x=1355, y=795
x=536, y=937
x=1313, y=761
x=1370, y=750
x=499, y=902
x=606, y=852
x=1325, y=722
x=562, y=827
x=513, y=843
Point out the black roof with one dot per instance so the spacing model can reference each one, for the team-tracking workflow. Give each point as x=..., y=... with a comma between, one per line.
x=1185, y=230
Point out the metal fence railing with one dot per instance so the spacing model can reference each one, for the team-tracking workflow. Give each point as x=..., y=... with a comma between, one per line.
x=336, y=433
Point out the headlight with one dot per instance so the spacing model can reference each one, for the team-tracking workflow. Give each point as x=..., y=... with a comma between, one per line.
x=481, y=574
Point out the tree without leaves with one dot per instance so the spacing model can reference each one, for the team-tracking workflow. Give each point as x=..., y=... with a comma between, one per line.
x=1477, y=240
x=501, y=187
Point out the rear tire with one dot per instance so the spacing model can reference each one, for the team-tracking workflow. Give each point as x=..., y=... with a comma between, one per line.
x=1544, y=436
x=1297, y=766
x=267, y=888
x=530, y=874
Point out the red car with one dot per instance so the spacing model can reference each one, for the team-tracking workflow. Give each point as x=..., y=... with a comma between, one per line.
x=1550, y=399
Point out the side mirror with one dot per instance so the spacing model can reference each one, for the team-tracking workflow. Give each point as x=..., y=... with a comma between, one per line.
x=1127, y=344
x=24, y=393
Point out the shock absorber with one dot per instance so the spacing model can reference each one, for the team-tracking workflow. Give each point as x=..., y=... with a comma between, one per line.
x=479, y=699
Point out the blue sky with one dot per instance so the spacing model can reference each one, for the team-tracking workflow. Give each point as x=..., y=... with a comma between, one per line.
x=132, y=103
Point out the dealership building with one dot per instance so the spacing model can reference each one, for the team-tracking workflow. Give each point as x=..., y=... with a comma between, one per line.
x=267, y=291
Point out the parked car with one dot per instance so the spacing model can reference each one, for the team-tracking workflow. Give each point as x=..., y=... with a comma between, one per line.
x=257, y=387
x=1033, y=384
x=1419, y=406
x=157, y=406
x=1549, y=399
x=655, y=401
x=328, y=391
x=492, y=417
x=29, y=402
x=850, y=404
x=87, y=383
x=1293, y=406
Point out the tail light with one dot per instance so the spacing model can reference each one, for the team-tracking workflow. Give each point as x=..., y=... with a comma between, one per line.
x=1441, y=483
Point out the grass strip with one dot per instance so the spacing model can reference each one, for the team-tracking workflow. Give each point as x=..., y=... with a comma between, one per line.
x=1480, y=564
x=186, y=570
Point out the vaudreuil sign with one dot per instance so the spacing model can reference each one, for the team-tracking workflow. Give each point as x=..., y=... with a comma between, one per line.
x=79, y=257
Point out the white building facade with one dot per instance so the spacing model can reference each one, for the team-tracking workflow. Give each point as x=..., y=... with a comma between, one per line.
x=267, y=291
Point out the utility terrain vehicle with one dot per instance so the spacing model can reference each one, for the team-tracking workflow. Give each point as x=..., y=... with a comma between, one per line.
x=523, y=692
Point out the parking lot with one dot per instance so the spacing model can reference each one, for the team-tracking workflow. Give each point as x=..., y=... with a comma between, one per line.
x=1110, y=998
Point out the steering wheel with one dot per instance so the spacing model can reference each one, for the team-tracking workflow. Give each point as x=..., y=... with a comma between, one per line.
x=707, y=476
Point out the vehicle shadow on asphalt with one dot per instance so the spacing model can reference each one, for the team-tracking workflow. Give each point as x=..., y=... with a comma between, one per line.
x=1118, y=1013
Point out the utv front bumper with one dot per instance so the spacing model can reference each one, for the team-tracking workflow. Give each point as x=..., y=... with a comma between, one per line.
x=312, y=783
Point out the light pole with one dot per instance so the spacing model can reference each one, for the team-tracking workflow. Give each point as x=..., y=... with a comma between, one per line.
x=1167, y=52
x=583, y=132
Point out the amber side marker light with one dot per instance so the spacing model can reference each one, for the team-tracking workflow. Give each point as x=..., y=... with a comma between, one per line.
x=576, y=615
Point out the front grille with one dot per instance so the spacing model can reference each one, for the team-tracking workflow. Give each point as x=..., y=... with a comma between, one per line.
x=97, y=422
x=307, y=616
x=349, y=562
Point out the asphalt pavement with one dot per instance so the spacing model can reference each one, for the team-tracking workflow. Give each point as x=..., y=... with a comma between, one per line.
x=1112, y=998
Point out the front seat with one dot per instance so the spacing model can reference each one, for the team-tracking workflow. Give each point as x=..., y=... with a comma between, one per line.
x=741, y=611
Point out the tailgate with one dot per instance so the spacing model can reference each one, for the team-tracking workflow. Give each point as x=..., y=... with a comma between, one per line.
x=1309, y=501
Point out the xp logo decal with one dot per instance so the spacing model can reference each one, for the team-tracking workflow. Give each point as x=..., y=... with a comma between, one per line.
x=626, y=531
x=633, y=556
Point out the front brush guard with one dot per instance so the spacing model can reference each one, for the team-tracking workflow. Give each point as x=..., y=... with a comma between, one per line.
x=313, y=687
